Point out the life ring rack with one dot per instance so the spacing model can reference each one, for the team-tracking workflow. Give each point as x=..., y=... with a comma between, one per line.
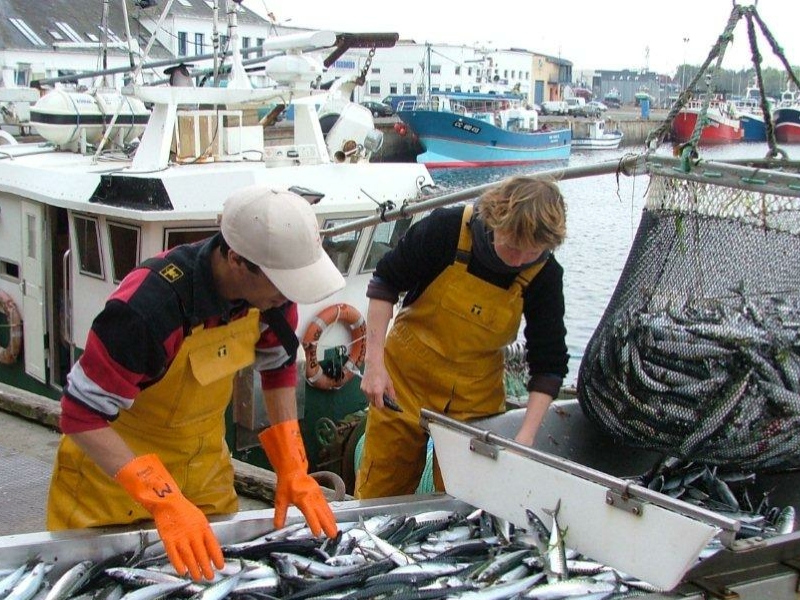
x=9, y=354
x=349, y=316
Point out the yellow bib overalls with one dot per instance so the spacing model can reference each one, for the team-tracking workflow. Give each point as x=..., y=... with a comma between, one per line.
x=444, y=353
x=181, y=418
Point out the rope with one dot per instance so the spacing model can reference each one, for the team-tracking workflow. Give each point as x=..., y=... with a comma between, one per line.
x=657, y=136
x=727, y=36
x=767, y=113
x=776, y=49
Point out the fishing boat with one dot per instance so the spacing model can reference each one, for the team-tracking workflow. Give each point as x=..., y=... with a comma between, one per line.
x=475, y=130
x=722, y=123
x=751, y=115
x=593, y=135
x=122, y=175
x=787, y=117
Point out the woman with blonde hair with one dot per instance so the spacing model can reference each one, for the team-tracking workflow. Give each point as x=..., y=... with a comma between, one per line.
x=469, y=274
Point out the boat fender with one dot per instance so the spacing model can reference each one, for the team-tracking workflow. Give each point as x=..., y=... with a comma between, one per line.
x=336, y=313
x=401, y=128
x=9, y=354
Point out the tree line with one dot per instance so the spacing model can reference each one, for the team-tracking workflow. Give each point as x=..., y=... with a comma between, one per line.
x=735, y=82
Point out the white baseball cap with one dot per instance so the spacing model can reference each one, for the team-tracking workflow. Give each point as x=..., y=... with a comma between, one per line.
x=278, y=231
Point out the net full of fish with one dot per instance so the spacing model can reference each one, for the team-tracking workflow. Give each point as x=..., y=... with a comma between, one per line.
x=698, y=352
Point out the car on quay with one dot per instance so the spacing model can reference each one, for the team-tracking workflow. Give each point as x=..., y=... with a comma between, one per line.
x=596, y=106
x=378, y=109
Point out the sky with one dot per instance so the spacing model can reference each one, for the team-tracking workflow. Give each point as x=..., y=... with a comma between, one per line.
x=612, y=34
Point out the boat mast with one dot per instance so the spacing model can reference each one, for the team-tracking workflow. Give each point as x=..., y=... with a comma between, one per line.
x=427, y=97
x=238, y=78
x=104, y=42
x=128, y=34
x=215, y=42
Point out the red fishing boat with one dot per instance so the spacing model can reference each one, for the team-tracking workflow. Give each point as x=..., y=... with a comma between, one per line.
x=723, y=127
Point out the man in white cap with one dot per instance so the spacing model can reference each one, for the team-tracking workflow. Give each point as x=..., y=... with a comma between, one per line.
x=143, y=409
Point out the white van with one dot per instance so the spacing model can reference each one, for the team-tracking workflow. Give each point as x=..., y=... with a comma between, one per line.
x=555, y=107
x=576, y=105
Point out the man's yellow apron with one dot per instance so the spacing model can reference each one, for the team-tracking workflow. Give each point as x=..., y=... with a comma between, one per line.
x=444, y=353
x=181, y=418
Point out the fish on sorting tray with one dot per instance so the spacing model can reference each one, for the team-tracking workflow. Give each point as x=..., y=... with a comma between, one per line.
x=556, y=560
x=785, y=523
x=70, y=581
x=10, y=580
x=155, y=591
x=30, y=583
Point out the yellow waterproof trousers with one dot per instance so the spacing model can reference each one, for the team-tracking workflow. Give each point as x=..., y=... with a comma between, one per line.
x=444, y=353
x=181, y=418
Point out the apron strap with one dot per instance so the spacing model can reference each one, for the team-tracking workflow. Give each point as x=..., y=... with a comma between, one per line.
x=464, y=251
x=277, y=322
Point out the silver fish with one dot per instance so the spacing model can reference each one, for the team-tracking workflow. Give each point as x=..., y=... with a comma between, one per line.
x=69, y=581
x=785, y=522
x=11, y=579
x=155, y=591
x=556, y=554
x=30, y=583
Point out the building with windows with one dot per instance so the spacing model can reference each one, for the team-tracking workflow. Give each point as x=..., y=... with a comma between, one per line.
x=628, y=83
x=38, y=44
x=412, y=69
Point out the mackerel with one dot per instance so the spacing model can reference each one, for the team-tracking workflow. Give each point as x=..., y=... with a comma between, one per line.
x=397, y=556
x=28, y=585
x=219, y=590
x=9, y=581
x=556, y=554
x=505, y=590
x=570, y=587
x=314, y=567
x=70, y=581
x=155, y=591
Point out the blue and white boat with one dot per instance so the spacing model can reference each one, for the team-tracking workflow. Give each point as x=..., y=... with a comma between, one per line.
x=751, y=115
x=787, y=117
x=477, y=130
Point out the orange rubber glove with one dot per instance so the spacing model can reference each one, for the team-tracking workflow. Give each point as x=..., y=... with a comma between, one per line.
x=284, y=447
x=184, y=529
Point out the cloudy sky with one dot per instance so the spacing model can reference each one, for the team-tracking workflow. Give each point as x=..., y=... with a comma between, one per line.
x=608, y=34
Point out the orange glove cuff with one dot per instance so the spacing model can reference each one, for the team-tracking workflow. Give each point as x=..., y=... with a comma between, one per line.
x=147, y=481
x=284, y=447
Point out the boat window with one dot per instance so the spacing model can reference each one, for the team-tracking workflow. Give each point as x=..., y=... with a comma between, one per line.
x=176, y=237
x=342, y=247
x=384, y=238
x=9, y=270
x=87, y=236
x=124, y=241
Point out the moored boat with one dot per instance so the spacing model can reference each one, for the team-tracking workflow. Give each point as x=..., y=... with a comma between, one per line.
x=787, y=118
x=593, y=135
x=114, y=183
x=472, y=130
x=723, y=125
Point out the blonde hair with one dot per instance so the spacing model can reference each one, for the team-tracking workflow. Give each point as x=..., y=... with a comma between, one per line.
x=531, y=212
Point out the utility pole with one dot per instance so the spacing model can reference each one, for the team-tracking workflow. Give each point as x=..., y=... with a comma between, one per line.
x=683, y=67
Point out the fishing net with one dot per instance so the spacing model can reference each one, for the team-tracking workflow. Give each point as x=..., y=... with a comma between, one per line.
x=698, y=352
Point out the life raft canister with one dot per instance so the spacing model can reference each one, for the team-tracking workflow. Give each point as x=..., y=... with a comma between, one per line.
x=9, y=354
x=337, y=313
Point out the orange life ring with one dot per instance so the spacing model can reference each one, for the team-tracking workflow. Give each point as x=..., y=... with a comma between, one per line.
x=9, y=354
x=336, y=313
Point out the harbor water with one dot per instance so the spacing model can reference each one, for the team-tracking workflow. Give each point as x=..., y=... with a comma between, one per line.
x=603, y=215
